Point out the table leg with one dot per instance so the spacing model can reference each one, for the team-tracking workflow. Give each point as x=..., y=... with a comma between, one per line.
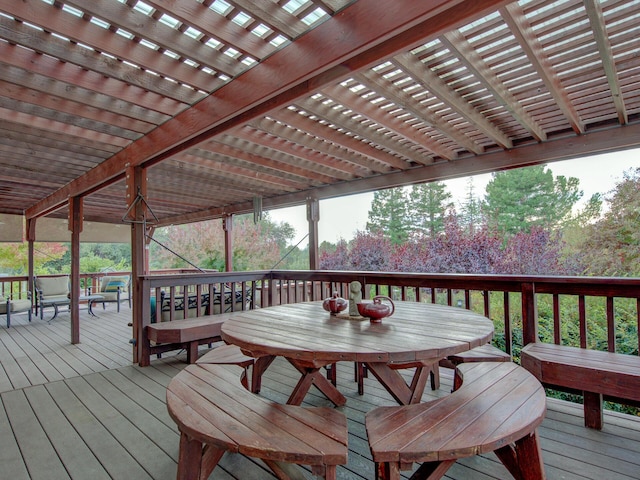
x=313, y=376
x=395, y=384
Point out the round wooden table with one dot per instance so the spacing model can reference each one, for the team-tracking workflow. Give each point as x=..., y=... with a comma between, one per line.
x=417, y=334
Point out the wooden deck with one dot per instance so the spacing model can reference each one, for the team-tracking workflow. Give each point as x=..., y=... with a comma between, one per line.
x=85, y=412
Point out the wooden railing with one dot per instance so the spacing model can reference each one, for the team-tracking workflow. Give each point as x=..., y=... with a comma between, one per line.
x=510, y=301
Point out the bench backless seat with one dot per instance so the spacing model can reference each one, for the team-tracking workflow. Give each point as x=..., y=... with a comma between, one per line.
x=216, y=414
x=188, y=334
x=232, y=355
x=593, y=373
x=497, y=406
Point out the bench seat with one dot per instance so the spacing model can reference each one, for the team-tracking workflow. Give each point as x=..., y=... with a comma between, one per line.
x=496, y=407
x=593, y=373
x=483, y=353
x=186, y=334
x=232, y=355
x=215, y=414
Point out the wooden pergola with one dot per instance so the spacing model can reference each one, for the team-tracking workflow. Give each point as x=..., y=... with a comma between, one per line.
x=210, y=108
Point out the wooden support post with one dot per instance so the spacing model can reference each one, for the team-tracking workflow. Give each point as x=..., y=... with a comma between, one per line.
x=227, y=225
x=31, y=238
x=137, y=183
x=147, y=241
x=75, y=226
x=313, y=217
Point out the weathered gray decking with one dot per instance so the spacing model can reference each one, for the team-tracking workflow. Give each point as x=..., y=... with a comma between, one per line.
x=84, y=412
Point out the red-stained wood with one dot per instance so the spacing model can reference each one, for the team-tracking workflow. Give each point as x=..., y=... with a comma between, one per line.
x=592, y=372
x=232, y=355
x=375, y=30
x=187, y=334
x=213, y=411
x=498, y=408
x=416, y=335
x=483, y=353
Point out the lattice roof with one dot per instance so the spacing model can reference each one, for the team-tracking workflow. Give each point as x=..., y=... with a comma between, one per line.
x=224, y=101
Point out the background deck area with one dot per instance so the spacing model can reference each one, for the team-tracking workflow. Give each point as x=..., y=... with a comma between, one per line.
x=85, y=412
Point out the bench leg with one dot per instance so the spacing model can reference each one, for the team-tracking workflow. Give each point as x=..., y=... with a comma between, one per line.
x=332, y=375
x=593, y=410
x=387, y=471
x=193, y=461
x=192, y=352
x=189, y=458
x=524, y=460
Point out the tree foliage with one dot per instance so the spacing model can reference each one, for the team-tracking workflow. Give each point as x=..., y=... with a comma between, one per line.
x=471, y=208
x=14, y=258
x=428, y=206
x=255, y=246
x=388, y=215
x=519, y=199
x=456, y=250
x=612, y=245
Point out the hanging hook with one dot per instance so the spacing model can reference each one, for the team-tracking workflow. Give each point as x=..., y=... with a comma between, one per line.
x=139, y=198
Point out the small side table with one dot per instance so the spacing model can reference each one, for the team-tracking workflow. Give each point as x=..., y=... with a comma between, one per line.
x=90, y=299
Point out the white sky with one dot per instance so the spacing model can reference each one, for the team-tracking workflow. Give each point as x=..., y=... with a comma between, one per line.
x=343, y=217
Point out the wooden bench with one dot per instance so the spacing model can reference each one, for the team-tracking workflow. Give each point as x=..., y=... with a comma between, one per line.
x=215, y=414
x=187, y=334
x=232, y=355
x=497, y=406
x=483, y=353
x=594, y=374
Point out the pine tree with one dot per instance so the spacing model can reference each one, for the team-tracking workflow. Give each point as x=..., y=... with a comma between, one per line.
x=428, y=205
x=519, y=199
x=388, y=215
x=471, y=209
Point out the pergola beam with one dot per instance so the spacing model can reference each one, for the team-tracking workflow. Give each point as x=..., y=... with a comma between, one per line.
x=357, y=37
x=554, y=150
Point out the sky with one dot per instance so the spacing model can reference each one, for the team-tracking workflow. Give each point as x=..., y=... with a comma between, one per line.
x=341, y=218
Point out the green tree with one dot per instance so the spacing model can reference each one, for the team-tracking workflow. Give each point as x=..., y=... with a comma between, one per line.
x=471, y=209
x=612, y=245
x=255, y=246
x=428, y=205
x=388, y=215
x=519, y=199
x=48, y=258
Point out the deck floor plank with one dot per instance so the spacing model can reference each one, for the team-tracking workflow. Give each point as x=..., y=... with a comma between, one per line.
x=113, y=414
x=46, y=359
x=13, y=466
x=88, y=421
x=145, y=451
x=71, y=449
x=38, y=453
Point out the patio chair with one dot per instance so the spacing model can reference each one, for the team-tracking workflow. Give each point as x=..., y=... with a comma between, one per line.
x=52, y=292
x=16, y=306
x=114, y=289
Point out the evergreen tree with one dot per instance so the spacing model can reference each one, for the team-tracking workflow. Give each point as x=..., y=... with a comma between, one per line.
x=428, y=205
x=519, y=199
x=388, y=215
x=471, y=209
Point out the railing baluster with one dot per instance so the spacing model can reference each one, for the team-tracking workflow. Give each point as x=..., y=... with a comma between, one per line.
x=487, y=307
x=582, y=319
x=508, y=339
x=557, y=328
x=611, y=326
